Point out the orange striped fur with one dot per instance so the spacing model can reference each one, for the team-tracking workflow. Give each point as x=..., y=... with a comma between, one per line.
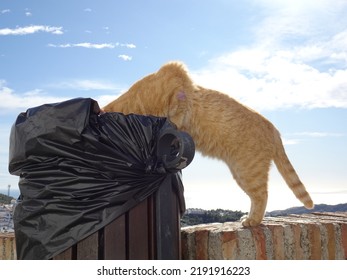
x=221, y=128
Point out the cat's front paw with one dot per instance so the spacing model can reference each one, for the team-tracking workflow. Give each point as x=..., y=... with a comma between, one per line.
x=249, y=222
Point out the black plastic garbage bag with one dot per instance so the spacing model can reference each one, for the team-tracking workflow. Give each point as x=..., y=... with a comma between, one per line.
x=79, y=170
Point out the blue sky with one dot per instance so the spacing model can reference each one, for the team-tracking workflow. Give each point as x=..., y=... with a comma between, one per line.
x=286, y=59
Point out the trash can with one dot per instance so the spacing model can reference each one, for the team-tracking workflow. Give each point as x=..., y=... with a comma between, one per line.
x=97, y=186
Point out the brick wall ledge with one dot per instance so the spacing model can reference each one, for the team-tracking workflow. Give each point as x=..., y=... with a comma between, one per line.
x=295, y=237
x=7, y=246
x=308, y=236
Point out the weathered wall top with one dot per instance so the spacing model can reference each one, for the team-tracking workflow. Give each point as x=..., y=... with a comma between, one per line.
x=309, y=236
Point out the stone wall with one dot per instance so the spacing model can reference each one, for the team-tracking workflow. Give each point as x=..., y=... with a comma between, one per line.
x=7, y=246
x=295, y=237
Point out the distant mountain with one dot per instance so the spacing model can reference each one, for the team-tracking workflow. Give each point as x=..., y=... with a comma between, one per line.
x=302, y=210
x=195, y=216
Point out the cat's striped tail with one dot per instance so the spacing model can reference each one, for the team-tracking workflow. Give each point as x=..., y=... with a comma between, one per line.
x=289, y=174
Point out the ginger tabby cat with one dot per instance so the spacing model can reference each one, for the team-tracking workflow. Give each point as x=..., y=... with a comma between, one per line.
x=221, y=128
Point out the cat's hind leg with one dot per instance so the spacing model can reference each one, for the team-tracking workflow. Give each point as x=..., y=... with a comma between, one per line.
x=253, y=181
x=258, y=206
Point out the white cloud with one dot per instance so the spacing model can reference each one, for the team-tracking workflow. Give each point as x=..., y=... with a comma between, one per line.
x=84, y=45
x=287, y=142
x=87, y=85
x=11, y=100
x=299, y=137
x=28, y=13
x=31, y=30
x=88, y=10
x=295, y=20
x=89, y=45
x=5, y=11
x=103, y=100
x=272, y=80
x=107, y=29
x=125, y=57
x=298, y=58
x=129, y=46
x=93, y=46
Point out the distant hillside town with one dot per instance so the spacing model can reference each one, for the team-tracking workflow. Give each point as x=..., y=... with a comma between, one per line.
x=6, y=221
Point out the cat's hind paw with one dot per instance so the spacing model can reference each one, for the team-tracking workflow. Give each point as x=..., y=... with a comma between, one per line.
x=246, y=221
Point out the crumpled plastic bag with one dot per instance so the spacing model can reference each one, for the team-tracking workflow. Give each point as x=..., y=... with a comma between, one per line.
x=79, y=170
